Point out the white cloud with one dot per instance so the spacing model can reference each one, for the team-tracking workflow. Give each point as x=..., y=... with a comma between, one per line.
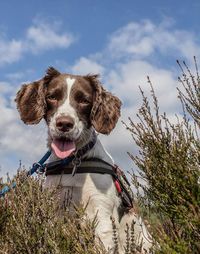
x=85, y=66
x=43, y=36
x=124, y=64
x=127, y=77
x=145, y=38
x=39, y=37
x=10, y=51
x=5, y=87
x=132, y=39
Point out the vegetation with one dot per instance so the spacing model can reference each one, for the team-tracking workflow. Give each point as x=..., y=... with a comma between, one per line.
x=169, y=164
x=30, y=223
x=168, y=195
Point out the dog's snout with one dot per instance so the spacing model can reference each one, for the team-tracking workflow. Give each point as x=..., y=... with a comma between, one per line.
x=64, y=123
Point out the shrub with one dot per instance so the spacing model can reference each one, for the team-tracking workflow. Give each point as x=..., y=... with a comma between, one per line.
x=168, y=195
x=169, y=164
x=30, y=223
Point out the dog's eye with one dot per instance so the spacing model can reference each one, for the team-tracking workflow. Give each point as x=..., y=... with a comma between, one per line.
x=51, y=97
x=84, y=101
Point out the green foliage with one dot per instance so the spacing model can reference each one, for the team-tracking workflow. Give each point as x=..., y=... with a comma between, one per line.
x=169, y=163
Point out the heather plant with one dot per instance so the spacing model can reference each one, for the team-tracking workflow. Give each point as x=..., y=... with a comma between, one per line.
x=30, y=222
x=169, y=166
x=167, y=184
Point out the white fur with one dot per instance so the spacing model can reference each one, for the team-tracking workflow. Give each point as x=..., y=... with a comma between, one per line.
x=97, y=191
x=70, y=82
x=67, y=110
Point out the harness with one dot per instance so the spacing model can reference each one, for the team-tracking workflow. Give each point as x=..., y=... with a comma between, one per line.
x=97, y=166
x=76, y=165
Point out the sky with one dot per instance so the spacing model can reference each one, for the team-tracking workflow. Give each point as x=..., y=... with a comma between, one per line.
x=122, y=40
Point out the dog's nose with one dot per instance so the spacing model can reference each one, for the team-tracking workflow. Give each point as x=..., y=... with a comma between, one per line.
x=64, y=123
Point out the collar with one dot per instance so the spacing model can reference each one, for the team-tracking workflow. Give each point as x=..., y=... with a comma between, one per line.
x=82, y=151
x=75, y=159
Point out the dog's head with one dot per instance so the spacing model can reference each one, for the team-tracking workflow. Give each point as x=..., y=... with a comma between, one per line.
x=70, y=105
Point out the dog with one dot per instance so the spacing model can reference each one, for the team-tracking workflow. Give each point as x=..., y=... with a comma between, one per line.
x=76, y=108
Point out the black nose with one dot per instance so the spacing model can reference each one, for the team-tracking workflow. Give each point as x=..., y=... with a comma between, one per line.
x=64, y=123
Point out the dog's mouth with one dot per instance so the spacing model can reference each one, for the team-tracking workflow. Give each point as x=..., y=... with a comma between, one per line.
x=63, y=147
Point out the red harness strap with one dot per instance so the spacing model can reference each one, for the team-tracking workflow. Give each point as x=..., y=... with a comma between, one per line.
x=118, y=187
x=123, y=187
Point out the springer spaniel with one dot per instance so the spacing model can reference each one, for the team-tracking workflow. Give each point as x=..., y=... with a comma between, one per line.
x=73, y=107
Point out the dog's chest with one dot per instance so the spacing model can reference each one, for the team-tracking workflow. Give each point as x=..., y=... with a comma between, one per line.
x=84, y=188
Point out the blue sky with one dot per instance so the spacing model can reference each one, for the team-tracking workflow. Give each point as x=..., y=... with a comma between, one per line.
x=124, y=41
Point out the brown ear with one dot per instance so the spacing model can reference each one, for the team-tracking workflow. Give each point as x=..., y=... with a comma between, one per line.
x=51, y=72
x=106, y=108
x=31, y=103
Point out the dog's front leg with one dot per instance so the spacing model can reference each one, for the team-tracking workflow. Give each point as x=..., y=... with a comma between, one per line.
x=104, y=229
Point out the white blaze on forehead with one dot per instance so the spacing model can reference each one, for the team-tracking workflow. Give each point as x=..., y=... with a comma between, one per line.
x=70, y=82
x=66, y=109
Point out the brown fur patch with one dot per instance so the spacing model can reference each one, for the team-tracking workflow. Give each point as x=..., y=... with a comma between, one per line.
x=106, y=107
x=31, y=102
x=56, y=93
x=50, y=74
x=81, y=99
x=31, y=98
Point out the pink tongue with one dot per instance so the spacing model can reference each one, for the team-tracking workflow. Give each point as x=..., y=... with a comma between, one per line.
x=63, y=148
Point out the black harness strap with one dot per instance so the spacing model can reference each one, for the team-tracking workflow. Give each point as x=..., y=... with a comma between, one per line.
x=97, y=166
x=93, y=165
x=81, y=170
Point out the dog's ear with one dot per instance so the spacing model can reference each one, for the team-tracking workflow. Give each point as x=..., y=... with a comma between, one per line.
x=51, y=73
x=106, y=107
x=31, y=102
x=30, y=99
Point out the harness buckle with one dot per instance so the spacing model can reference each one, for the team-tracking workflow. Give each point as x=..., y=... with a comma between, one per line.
x=76, y=162
x=41, y=168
